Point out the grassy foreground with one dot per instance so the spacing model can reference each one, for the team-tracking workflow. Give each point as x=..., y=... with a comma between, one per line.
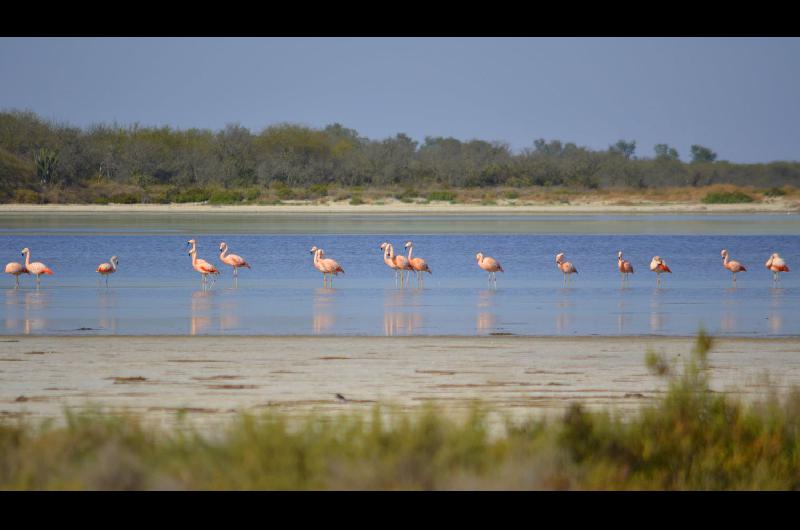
x=691, y=438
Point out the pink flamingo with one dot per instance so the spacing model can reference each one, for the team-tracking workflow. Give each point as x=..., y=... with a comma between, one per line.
x=490, y=265
x=16, y=269
x=388, y=259
x=775, y=263
x=625, y=267
x=36, y=268
x=232, y=259
x=201, y=265
x=108, y=268
x=658, y=266
x=402, y=264
x=565, y=267
x=731, y=265
x=328, y=267
x=418, y=265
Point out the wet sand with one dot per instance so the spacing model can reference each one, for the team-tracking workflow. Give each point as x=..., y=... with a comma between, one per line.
x=211, y=378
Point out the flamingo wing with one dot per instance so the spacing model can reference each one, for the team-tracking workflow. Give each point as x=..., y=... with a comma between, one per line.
x=206, y=267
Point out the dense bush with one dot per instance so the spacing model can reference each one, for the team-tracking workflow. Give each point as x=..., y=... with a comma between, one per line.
x=317, y=190
x=302, y=162
x=441, y=196
x=125, y=198
x=775, y=192
x=192, y=195
x=726, y=197
x=225, y=197
x=407, y=195
x=23, y=196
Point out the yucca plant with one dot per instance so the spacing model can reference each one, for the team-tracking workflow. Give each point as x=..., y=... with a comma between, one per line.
x=46, y=162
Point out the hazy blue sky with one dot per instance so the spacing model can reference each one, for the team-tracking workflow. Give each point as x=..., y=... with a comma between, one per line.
x=741, y=97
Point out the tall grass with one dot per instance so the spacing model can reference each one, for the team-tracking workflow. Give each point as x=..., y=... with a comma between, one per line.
x=692, y=438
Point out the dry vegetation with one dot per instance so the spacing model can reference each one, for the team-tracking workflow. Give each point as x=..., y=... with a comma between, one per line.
x=110, y=193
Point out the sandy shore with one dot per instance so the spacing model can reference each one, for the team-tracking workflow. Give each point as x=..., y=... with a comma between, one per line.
x=392, y=206
x=210, y=378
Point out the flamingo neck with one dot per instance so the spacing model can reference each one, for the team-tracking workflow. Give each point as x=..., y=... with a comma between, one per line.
x=410, y=251
x=27, y=259
x=224, y=251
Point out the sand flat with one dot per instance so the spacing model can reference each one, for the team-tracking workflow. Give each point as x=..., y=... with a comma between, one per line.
x=211, y=378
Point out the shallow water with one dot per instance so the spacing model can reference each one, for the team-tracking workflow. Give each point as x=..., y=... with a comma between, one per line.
x=157, y=292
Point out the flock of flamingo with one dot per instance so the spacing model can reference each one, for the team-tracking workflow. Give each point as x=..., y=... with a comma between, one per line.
x=399, y=263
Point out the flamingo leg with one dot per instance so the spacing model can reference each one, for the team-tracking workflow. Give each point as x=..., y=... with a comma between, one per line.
x=17, y=286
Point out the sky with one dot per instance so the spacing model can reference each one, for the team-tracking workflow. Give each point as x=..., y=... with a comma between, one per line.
x=738, y=96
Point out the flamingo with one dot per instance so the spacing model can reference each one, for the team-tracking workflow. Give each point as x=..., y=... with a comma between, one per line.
x=775, y=263
x=731, y=265
x=490, y=265
x=388, y=259
x=625, y=267
x=326, y=266
x=418, y=265
x=232, y=259
x=16, y=269
x=201, y=265
x=36, y=268
x=402, y=264
x=565, y=266
x=658, y=266
x=108, y=268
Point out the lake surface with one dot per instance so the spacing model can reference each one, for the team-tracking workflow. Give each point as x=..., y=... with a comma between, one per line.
x=155, y=290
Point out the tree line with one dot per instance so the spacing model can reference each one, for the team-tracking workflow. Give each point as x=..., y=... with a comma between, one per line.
x=36, y=154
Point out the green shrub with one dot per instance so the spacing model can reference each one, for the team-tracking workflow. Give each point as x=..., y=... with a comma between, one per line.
x=775, y=192
x=125, y=198
x=225, y=197
x=407, y=195
x=161, y=196
x=251, y=194
x=441, y=196
x=355, y=200
x=726, y=197
x=512, y=195
x=192, y=195
x=285, y=194
x=26, y=196
x=317, y=190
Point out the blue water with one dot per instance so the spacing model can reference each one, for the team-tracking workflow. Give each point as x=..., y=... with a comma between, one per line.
x=155, y=290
